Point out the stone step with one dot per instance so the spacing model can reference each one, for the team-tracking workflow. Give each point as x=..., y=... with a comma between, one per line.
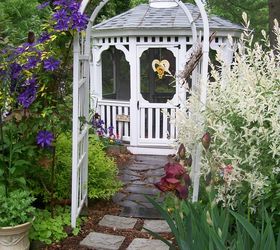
x=117, y=222
x=157, y=226
x=100, y=241
x=147, y=244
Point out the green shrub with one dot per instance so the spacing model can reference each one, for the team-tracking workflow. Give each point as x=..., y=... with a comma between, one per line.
x=48, y=229
x=16, y=208
x=102, y=170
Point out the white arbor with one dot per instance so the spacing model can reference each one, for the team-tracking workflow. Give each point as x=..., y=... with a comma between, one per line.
x=82, y=92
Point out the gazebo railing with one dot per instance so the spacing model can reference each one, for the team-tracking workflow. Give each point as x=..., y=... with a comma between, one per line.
x=155, y=125
x=116, y=114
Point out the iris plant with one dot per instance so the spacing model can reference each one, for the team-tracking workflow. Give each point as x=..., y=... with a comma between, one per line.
x=176, y=180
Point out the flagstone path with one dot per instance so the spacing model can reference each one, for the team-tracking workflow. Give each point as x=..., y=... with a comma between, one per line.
x=101, y=241
x=138, y=177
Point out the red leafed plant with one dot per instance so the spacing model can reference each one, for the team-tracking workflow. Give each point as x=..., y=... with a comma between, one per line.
x=176, y=180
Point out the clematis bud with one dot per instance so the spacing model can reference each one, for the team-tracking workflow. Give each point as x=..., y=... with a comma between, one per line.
x=206, y=139
x=182, y=151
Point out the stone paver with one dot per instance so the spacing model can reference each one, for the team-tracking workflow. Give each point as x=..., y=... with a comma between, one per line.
x=146, y=244
x=157, y=226
x=101, y=241
x=140, y=212
x=117, y=222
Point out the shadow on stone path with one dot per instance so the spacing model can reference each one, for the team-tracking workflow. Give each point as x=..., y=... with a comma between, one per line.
x=139, y=177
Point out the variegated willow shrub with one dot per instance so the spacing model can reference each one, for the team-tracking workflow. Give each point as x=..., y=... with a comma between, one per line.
x=242, y=115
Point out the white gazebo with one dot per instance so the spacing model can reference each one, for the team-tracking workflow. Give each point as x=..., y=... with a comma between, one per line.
x=126, y=69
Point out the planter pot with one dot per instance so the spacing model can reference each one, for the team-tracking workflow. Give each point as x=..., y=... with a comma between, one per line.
x=15, y=238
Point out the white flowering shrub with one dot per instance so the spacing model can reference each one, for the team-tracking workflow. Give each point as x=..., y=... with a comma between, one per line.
x=243, y=118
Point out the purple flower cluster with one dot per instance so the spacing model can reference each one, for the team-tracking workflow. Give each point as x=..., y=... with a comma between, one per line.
x=98, y=125
x=43, y=5
x=51, y=64
x=45, y=138
x=45, y=36
x=28, y=96
x=68, y=16
x=111, y=131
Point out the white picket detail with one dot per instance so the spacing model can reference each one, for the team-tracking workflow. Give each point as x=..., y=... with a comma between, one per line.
x=155, y=127
x=109, y=110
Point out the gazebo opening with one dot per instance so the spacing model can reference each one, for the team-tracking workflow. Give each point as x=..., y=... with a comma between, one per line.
x=158, y=68
x=115, y=75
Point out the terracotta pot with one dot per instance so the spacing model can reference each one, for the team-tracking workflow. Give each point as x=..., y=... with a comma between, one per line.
x=15, y=238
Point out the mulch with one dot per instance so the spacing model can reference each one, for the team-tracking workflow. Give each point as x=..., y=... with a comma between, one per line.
x=96, y=211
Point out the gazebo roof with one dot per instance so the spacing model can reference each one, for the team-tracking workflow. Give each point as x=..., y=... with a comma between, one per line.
x=144, y=18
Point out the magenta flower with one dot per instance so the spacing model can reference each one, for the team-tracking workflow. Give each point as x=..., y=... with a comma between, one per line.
x=176, y=180
x=45, y=138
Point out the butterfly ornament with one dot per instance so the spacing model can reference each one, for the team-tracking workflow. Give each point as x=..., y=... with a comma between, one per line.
x=161, y=67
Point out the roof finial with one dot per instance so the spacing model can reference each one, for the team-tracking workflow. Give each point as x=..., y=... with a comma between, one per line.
x=162, y=3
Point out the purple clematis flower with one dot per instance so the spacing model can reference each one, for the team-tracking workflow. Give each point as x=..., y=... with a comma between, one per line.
x=74, y=6
x=45, y=36
x=51, y=64
x=62, y=24
x=15, y=70
x=45, y=138
x=43, y=5
x=80, y=21
x=60, y=2
x=60, y=15
x=28, y=96
x=31, y=63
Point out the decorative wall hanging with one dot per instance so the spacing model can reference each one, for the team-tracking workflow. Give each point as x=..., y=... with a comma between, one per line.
x=161, y=67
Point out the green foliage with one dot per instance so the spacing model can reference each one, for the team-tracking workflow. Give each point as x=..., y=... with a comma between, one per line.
x=257, y=11
x=16, y=154
x=195, y=226
x=48, y=229
x=17, y=18
x=16, y=208
x=102, y=171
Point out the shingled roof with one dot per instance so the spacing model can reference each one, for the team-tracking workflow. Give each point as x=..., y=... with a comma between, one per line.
x=144, y=17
